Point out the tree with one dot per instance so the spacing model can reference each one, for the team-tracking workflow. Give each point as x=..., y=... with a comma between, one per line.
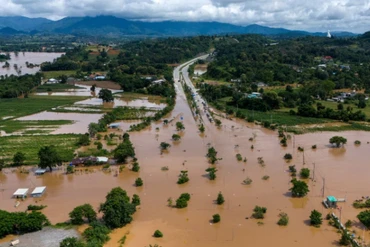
x=345, y=239
x=259, y=212
x=71, y=242
x=364, y=217
x=164, y=145
x=216, y=218
x=96, y=234
x=211, y=173
x=138, y=182
x=179, y=126
x=106, y=95
x=183, y=177
x=63, y=79
x=218, y=122
x=212, y=155
x=284, y=219
x=288, y=156
x=181, y=203
x=92, y=88
x=201, y=128
x=93, y=129
x=70, y=169
x=117, y=209
x=176, y=137
x=78, y=214
x=135, y=167
x=305, y=173
x=299, y=189
x=338, y=140
x=123, y=151
x=48, y=157
x=19, y=158
x=84, y=140
x=158, y=234
x=316, y=218
x=135, y=200
x=220, y=199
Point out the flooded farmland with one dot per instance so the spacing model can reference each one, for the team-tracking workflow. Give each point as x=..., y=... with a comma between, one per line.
x=30, y=57
x=341, y=172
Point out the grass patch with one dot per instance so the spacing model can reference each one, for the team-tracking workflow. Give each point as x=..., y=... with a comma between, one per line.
x=151, y=98
x=22, y=107
x=56, y=87
x=30, y=145
x=54, y=74
x=41, y=126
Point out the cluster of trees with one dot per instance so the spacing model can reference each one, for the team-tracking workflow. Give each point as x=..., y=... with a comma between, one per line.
x=124, y=149
x=21, y=222
x=13, y=86
x=117, y=212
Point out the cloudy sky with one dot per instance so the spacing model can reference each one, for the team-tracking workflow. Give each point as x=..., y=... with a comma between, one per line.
x=311, y=15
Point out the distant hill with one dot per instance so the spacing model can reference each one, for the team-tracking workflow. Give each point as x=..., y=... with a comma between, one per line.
x=9, y=31
x=22, y=23
x=114, y=26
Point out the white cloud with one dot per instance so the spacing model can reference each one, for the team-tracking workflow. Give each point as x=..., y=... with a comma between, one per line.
x=312, y=15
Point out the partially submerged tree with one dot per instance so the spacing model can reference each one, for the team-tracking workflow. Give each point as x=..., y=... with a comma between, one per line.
x=338, y=140
x=299, y=189
x=212, y=155
x=180, y=126
x=81, y=213
x=201, y=128
x=220, y=198
x=259, y=212
x=364, y=217
x=19, y=158
x=218, y=122
x=316, y=218
x=106, y=95
x=136, y=200
x=117, y=209
x=183, y=177
x=139, y=182
x=164, y=145
x=216, y=218
x=305, y=173
x=49, y=157
x=211, y=173
x=176, y=137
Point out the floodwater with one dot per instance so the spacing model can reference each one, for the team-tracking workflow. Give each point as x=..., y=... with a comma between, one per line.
x=137, y=103
x=23, y=57
x=82, y=91
x=79, y=126
x=344, y=171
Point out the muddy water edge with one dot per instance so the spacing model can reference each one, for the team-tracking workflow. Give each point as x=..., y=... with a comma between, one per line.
x=344, y=170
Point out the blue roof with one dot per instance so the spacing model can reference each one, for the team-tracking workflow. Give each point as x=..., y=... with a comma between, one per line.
x=332, y=199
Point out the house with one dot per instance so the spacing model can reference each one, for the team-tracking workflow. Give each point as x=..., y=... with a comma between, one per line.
x=321, y=65
x=38, y=191
x=52, y=81
x=345, y=67
x=160, y=81
x=254, y=95
x=21, y=193
x=102, y=159
x=326, y=59
x=99, y=78
x=84, y=161
x=114, y=125
x=236, y=80
x=261, y=84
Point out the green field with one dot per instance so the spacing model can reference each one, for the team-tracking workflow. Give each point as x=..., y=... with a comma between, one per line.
x=55, y=74
x=55, y=87
x=30, y=145
x=36, y=127
x=16, y=107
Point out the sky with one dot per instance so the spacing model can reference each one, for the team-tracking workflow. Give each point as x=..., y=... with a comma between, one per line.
x=309, y=15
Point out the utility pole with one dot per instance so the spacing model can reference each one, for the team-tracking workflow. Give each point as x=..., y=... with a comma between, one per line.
x=323, y=187
x=313, y=172
x=303, y=158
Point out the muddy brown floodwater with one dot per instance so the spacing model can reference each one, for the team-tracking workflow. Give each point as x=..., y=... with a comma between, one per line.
x=345, y=171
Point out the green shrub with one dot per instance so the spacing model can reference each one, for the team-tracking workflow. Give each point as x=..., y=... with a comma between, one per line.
x=158, y=234
x=284, y=219
x=288, y=156
x=239, y=157
x=138, y=182
x=216, y=218
x=305, y=173
x=220, y=199
x=259, y=212
x=35, y=207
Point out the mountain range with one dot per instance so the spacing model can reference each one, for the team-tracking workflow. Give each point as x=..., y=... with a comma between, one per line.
x=114, y=26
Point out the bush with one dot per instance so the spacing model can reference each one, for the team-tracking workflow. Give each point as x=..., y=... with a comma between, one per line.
x=70, y=169
x=216, y=218
x=247, y=181
x=158, y=234
x=176, y=137
x=316, y=218
x=35, y=207
x=138, y=182
x=259, y=212
x=364, y=217
x=84, y=140
x=288, y=156
x=266, y=177
x=96, y=234
x=284, y=219
x=299, y=189
x=135, y=200
x=181, y=203
x=78, y=214
x=135, y=167
x=183, y=177
x=305, y=173
x=239, y=157
x=357, y=142
x=300, y=149
x=179, y=126
x=220, y=199
x=72, y=242
x=164, y=145
x=185, y=196
x=212, y=173
x=314, y=146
